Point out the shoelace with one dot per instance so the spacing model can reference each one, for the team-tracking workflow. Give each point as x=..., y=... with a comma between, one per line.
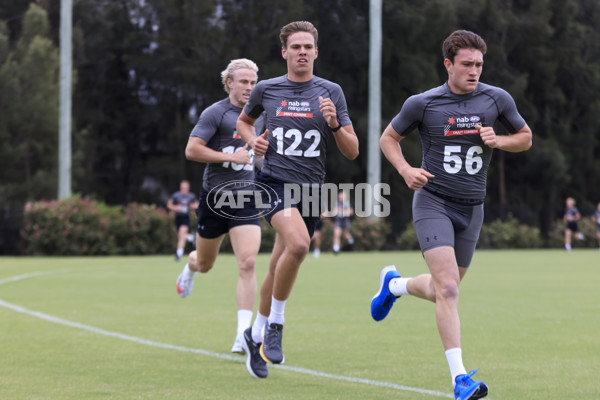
x=466, y=381
x=183, y=285
x=186, y=281
x=389, y=300
x=274, y=343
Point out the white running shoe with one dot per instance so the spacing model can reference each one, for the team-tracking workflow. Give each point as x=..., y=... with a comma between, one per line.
x=238, y=346
x=185, y=283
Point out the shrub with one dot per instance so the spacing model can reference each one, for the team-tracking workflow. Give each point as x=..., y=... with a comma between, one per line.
x=370, y=233
x=408, y=239
x=267, y=236
x=80, y=226
x=145, y=229
x=327, y=235
x=586, y=225
x=74, y=226
x=508, y=234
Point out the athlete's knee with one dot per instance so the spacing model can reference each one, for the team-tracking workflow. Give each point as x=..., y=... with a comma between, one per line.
x=196, y=263
x=204, y=265
x=247, y=266
x=298, y=248
x=447, y=291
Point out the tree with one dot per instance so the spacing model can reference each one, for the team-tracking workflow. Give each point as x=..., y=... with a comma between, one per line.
x=147, y=68
x=29, y=101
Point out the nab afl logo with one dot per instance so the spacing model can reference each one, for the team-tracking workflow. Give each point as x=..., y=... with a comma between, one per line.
x=229, y=196
x=475, y=119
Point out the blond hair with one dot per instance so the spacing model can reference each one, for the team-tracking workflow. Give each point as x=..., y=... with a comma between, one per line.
x=234, y=65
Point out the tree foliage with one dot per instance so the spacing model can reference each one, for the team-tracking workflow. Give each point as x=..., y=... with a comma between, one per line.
x=147, y=68
x=29, y=110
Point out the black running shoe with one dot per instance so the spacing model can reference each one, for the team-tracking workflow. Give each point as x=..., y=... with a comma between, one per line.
x=255, y=364
x=270, y=350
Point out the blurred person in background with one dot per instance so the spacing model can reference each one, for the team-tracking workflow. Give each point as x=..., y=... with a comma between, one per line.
x=571, y=218
x=342, y=223
x=596, y=219
x=317, y=238
x=181, y=202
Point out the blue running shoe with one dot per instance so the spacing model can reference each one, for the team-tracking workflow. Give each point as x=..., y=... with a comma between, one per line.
x=468, y=389
x=384, y=300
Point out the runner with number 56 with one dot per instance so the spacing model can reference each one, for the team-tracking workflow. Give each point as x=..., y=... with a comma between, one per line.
x=457, y=122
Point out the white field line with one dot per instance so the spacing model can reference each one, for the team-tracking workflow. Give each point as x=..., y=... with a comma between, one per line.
x=207, y=353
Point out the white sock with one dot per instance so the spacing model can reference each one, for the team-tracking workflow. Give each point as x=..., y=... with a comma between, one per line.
x=455, y=362
x=336, y=248
x=179, y=252
x=277, y=311
x=188, y=272
x=351, y=240
x=398, y=286
x=257, y=327
x=244, y=319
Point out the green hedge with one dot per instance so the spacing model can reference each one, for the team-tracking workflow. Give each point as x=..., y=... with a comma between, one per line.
x=370, y=234
x=586, y=226
x=408, y=238
x=80, y=226
x=509, y=234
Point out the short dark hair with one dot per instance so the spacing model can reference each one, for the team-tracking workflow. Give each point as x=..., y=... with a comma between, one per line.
x=297, y=26
x=462, y=39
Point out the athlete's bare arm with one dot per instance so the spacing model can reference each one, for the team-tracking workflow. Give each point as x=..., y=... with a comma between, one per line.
x=345, y=137
x=196, y=150
x=516, y=142
x=245, y=128
x=389, y=142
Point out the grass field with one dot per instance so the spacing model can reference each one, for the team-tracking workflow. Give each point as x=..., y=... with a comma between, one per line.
x=114, y=328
